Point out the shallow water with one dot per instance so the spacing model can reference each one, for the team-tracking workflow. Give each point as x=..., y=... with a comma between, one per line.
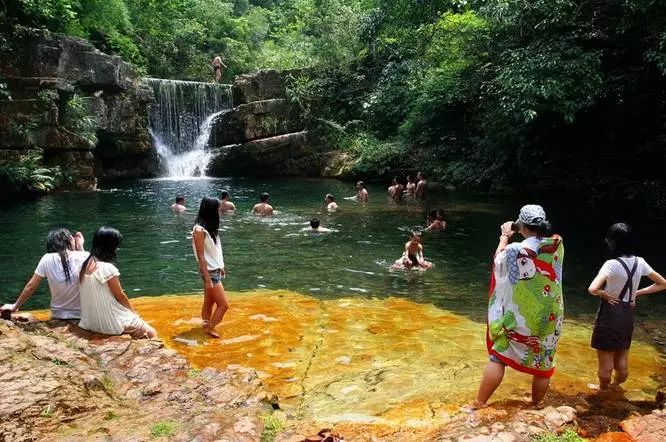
x=156, y=256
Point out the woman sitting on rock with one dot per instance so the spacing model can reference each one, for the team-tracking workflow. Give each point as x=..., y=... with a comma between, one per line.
x=104, y=305
x=59, y=266
x=525, y=309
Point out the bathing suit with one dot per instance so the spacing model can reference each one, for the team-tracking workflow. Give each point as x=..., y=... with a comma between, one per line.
x=413, y=259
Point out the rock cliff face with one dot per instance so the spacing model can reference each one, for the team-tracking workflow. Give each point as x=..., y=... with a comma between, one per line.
x=265, y=134
x=54, y=82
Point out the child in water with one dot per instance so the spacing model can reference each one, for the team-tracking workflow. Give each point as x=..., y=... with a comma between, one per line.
x=436, y=221
x=412, y=258
x=617, y=287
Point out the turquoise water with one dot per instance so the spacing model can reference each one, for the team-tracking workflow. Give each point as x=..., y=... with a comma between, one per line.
x=156, y=255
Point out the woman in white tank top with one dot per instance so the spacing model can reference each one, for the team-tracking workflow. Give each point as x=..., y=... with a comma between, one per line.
x=208, y=253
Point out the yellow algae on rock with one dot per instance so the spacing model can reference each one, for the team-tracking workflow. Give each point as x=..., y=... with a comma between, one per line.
x=374, y=361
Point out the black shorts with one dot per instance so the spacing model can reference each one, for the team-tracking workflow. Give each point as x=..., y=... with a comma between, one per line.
x=614, y=327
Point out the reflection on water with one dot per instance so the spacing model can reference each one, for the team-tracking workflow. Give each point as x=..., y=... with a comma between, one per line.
x=388, y=361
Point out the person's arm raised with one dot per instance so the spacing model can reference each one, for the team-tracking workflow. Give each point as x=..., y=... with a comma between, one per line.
x=659, y=285
x=118, y=292
x=198, y=236
x=506, y=234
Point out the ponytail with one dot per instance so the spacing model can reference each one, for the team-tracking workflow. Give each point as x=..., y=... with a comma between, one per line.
x=84, y=267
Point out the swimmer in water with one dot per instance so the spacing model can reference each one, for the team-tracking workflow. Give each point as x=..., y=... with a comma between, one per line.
x=361, y=192
x=263, y=208
x=329, y=202
x=315, y=227
x=179, y=206
x=225, y=204
x=412, y=258
x=436, y=221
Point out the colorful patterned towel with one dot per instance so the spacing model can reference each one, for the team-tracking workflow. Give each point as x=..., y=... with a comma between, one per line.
x=525, y=310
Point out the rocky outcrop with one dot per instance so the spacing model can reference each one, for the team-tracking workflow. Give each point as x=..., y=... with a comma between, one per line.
x=60, y=383
x=265, y=134
x=43, y=74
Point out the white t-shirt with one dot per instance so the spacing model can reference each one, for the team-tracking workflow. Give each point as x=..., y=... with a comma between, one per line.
x=616, y=275
x=100, y=310
x=65, y=302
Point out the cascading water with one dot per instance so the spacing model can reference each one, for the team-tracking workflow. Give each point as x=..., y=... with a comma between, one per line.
x=181, y=121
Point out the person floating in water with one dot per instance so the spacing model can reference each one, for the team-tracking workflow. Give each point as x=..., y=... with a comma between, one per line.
x=179, y=206
x=262, y=208
x=419, y=191
x=225, y=204
x=395, y=190
x=361, y=192
x=617, y=287
x=436, y=221
x=329, y=202
x=315, y=227
x=412, y=257
x=207, y=248
x=218, y=64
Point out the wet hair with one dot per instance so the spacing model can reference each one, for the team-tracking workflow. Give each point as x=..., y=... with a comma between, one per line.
x=394, y=180
x=314, y=223
x=105, y=244
x=329, y=196
x=439, y=214
x=421, y=174
x=224, y=194
x=620, y=240
x=208, y=216
x=415, y=234
x=360, y=183
x=263, y=197
x=180, y=199
x=60, y=241
x=432, y=215
x=409, y=178
x=543, y=228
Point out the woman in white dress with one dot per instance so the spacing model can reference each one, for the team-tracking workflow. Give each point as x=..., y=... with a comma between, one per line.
x=105, y=307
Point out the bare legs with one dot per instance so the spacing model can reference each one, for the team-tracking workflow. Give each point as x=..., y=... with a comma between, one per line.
x=609, y=361
x=492, y=378
x=213, y=298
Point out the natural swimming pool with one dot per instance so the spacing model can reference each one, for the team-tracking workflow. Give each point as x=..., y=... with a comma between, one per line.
x=156, y=255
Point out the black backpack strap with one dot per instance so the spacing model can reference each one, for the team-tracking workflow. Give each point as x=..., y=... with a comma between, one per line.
x=629, y=285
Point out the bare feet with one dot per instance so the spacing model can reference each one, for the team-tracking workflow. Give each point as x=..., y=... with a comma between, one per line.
x=211, y=332
x=473, y=406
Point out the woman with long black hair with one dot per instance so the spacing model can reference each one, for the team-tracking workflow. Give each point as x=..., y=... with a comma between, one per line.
x=60, y=265
x=208, y=253
x=104, y=305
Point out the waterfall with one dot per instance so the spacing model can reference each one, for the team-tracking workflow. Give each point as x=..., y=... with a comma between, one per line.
x=181, y=120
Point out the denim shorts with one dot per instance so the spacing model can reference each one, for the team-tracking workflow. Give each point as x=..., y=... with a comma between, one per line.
x=216, y=276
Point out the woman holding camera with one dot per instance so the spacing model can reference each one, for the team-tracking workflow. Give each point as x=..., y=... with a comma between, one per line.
x=525, y=309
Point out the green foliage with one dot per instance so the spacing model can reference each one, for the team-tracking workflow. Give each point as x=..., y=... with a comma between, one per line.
x=272, y=426
x=568, y=436
x=78, y=119
x=29, y=175
x=163, y=429
x=376, y=157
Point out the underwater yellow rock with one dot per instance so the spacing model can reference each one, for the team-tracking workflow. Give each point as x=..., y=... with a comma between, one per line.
x=373, y=361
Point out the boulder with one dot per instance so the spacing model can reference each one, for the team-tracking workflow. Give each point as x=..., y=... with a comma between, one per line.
x=262, y=85
x=65, y=62
x=259, y=119
x=293, y=154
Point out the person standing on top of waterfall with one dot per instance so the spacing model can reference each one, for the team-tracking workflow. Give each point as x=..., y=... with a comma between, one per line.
x=218, y=64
